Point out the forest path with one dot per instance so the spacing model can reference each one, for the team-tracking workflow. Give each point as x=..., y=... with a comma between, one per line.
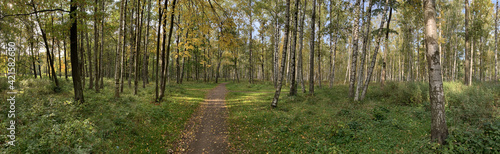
x=207, y=132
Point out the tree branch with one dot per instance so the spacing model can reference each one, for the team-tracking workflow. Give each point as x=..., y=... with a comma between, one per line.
x=25, y=14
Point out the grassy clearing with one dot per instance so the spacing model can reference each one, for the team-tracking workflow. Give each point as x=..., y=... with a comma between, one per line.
x=391, y=120
x=49, y=122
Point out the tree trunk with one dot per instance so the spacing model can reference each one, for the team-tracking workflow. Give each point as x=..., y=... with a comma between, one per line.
x=439, y=130
x=301, y=45
x=49, y=56
x=65, y=60
x=384, y=72
x=131, y=60
x=354, y=43
x=59, y=57
x=274, y=103
x=410, y=55
x=468, y=79
x=118, y=51
x=138, y=46
x=32, y=53
x=374, y=57
x=319, y=44
x=101, y=72
x=367, y=24
x=311, y=52
x=455, y=54
x=123, y=57
x=333, y=51
x=78, y=89
x=496, y=43
x=293, y=85
x=250, y=42
x=481, y=71
x=145, y=75
x=96, y=47
x=276, y=47
x=165, y=65
x=160, y=22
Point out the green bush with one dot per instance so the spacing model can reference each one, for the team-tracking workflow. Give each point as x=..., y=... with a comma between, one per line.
x=37, y=86
x=483, y=140
x=404, y=93
x=470, y=103
x=4, y=85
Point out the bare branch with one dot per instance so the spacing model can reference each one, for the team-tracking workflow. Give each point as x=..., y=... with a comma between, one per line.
x=25, y=14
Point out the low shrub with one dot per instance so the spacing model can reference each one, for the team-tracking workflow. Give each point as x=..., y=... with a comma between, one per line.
x=404, y=93
x=476, y=140
x=471, y=104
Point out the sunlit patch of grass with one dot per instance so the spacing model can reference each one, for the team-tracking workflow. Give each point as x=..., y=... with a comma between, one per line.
x=128, y=124
x=329, y=122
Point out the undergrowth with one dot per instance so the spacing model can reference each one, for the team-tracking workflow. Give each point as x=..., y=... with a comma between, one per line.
x=48, y=121
x=392, y=119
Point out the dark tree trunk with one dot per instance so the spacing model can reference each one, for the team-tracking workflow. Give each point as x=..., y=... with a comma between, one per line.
x=145, y=75
x=49, y=56
x=311, y=52
x=165, y=65
x=74, y=55
x=160, y=22
x=293, y=85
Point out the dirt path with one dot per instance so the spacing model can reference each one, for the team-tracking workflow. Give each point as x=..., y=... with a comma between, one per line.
x=206, y=132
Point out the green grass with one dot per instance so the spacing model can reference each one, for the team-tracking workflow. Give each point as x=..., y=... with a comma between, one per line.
x=393, y=120
x=49, y=122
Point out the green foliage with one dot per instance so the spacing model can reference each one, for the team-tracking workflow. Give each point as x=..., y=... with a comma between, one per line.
x=476, y=140
x=49, y=122
x=474, y=103
x=407, y=93
x=4, y=85
x=395, y=119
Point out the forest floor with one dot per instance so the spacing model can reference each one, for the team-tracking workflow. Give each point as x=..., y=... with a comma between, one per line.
x=198, y=117
x=392, y=119
x=206, y=131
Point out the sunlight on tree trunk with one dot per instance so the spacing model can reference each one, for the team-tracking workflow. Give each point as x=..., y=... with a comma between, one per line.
x=439, y=130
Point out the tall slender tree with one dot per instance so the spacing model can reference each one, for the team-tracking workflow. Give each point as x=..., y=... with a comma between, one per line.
x=250, y=42
x=118, y=51
x=300, y=74
x=311, y=52
x=276, y=97
x=374, y=57
x=496, y=42
x=77, y=82
x=363, y=49
x=354, y=53
x=96, y=45
x=165, y=64
x=293, y=84
x=468, y=51
x=439, y=130
x=160, y=22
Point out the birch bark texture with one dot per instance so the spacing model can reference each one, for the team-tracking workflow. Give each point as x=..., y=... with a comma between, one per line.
x=274, y=103
x=439, y=130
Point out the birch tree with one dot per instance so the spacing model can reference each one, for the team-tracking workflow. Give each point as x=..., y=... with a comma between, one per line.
x=274, y=103
x=439, y=130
